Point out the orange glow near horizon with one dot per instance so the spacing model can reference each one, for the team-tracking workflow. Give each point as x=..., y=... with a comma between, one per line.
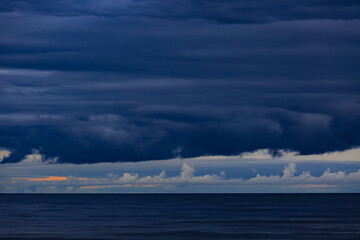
x=49, y=178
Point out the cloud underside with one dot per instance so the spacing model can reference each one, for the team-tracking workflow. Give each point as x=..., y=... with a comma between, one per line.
x=228, y=11
x=107, y=81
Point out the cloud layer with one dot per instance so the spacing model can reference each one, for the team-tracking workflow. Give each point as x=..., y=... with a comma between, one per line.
x=255, y=172
x=186, y=181
x=105, y=81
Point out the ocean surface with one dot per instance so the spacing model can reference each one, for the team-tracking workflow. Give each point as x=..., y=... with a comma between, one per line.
x=180, y=216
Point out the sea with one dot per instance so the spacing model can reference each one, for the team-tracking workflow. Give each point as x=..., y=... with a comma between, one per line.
x=179, y=216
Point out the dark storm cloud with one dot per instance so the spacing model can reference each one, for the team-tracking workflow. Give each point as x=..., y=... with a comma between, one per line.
x=152, y=77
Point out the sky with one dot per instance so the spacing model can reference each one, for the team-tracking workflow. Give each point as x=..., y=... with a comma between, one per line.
x=179, y=96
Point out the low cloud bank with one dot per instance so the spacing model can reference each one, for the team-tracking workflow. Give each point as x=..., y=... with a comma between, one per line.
x=185, y=179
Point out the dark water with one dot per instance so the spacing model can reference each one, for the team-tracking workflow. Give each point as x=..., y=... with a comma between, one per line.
x=180, y=216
